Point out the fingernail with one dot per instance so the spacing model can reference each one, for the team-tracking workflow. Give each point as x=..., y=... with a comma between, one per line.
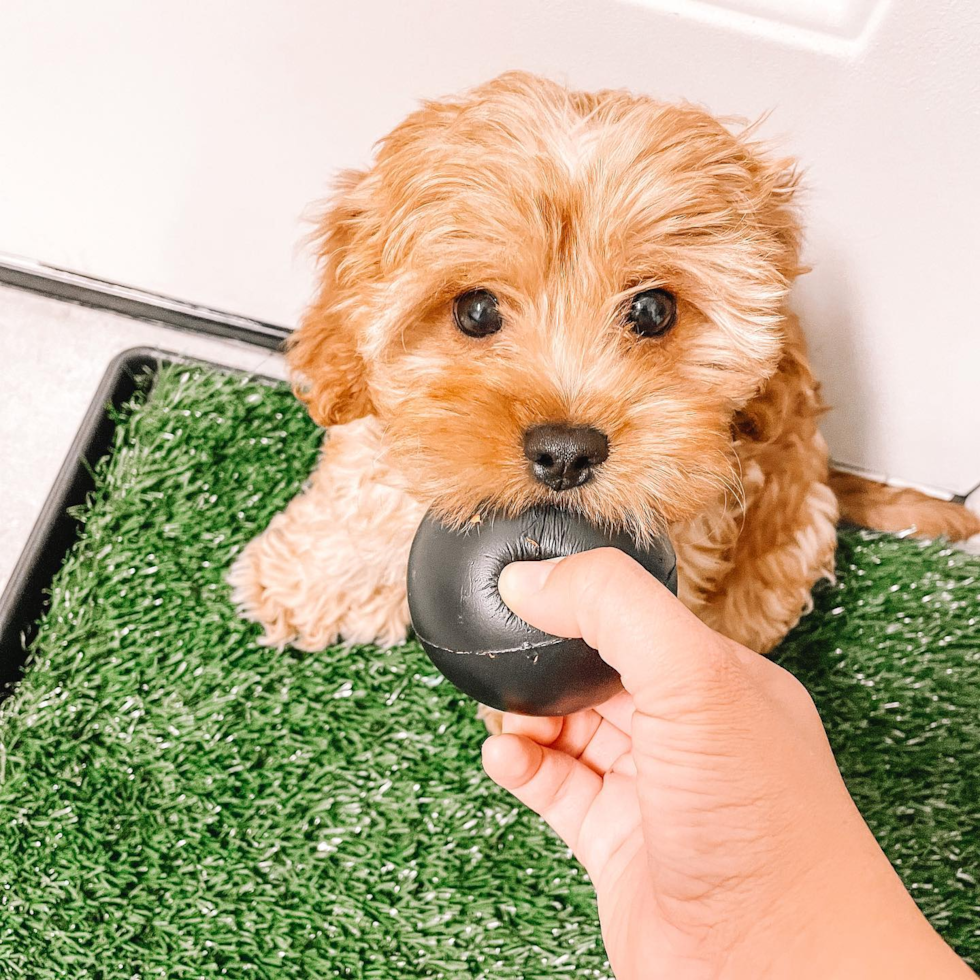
x=521, y=579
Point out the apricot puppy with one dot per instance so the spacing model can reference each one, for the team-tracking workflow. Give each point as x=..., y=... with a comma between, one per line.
x=538, y=295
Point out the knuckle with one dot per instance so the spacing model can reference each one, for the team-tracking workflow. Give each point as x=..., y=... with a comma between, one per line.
x=560, y=796
x=534, y=767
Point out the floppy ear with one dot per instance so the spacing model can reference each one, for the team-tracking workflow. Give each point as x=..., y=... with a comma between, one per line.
x=329, y=372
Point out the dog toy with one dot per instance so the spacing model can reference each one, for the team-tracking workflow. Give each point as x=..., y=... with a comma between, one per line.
x=475, y=640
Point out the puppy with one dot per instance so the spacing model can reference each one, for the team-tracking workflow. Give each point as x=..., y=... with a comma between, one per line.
x=541, y=296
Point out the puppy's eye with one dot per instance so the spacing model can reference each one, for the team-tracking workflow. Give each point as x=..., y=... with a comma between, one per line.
x=476, y=313
x=652, y=313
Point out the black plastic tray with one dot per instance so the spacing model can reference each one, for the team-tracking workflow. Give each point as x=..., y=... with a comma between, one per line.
x=25, y=598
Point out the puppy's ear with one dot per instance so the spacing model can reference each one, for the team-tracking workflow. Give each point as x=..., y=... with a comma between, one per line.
x=329, y=373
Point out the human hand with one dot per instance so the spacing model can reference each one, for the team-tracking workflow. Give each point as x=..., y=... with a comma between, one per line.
x=704, y=801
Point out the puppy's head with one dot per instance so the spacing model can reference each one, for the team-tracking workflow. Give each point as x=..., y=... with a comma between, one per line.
x=554, y=297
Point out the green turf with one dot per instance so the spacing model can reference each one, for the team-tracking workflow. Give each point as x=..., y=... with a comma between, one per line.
x=176, y=801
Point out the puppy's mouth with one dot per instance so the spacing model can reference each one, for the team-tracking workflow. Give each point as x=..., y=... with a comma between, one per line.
x=563, y=457
x=562, y=465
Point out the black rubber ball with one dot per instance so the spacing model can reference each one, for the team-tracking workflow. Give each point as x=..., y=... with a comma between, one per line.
x=478, y=643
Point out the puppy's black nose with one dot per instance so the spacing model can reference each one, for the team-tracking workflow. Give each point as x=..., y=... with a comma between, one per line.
x=564, y=456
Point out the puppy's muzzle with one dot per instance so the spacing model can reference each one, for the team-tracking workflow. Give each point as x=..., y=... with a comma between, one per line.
x=565, y=456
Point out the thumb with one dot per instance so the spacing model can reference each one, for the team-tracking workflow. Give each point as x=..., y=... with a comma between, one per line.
x=617, y=607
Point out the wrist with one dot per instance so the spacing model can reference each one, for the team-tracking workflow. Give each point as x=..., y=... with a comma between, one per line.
x=852, y=919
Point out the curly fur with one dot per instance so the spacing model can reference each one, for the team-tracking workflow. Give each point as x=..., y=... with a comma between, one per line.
x=563, y=204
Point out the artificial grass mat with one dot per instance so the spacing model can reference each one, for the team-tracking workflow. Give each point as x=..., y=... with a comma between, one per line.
x=177, y=801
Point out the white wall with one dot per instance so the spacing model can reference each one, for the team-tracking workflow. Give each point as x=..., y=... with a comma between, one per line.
x=174, y=145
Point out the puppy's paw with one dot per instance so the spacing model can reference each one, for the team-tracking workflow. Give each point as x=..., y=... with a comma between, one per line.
x=310, y=598
x=267, y=590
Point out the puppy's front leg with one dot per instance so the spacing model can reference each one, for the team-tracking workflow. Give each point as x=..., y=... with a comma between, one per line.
x=332, y=566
